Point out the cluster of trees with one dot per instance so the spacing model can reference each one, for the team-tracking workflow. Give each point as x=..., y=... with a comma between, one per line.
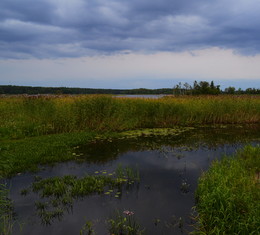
x=251, y=91
x=206, y=88
x=198, y=88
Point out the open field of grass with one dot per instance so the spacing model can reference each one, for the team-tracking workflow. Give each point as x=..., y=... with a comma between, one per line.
x=229, y=195
x=29, y=116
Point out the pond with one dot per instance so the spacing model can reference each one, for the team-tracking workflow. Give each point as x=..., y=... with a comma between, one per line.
x=169, y=167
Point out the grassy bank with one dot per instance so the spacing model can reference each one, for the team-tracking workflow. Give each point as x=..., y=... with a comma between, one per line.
x=28, y=116
x=229, y=195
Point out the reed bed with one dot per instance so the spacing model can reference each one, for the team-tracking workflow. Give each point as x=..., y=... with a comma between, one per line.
x=33, y=116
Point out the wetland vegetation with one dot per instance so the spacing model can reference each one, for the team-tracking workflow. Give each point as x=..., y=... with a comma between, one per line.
x=42, y=130
x=6, y=211
x=229, y=194
x=57, y=193
x=22, y=117
x=36, y=132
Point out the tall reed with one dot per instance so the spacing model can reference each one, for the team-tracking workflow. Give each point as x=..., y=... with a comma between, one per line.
x=27, y=116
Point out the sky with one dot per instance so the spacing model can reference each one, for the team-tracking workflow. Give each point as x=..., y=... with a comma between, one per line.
x=129, y=43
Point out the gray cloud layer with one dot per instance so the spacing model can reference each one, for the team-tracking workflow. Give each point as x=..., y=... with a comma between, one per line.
x=58, y=28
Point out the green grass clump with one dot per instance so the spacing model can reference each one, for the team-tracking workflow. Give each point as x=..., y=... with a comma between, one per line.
x=79, y=187
x=59, y=186
x=229, y=195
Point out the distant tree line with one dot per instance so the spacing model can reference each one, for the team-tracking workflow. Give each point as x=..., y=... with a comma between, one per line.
x=198, y=88
x=239, y=91
x=206, y=88
x=15, y=90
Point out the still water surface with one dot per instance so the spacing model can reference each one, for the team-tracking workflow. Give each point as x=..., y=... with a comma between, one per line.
x=161, y=203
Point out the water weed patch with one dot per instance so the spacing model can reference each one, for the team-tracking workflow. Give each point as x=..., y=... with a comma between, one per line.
x=58, y=193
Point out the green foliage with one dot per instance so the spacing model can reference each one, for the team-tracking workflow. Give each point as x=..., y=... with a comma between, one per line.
x=229, y=195
x=199, y=88
x=230, y=90
x=204, y=88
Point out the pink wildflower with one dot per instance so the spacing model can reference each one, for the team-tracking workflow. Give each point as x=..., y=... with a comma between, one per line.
x=128, y=212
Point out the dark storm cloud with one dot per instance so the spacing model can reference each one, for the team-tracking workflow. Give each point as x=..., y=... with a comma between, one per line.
x=57, y=28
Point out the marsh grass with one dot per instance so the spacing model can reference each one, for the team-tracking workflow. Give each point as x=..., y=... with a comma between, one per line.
x=28, y=154
x=26, y=116
x=6, y=212
x=228, y=195
x=58, y=193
